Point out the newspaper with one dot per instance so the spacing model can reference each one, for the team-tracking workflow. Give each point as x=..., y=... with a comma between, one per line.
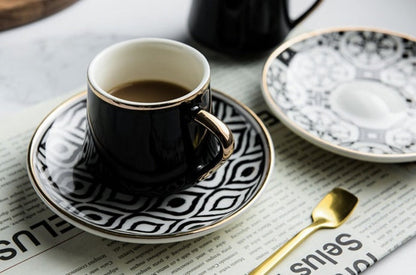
x=33, y=240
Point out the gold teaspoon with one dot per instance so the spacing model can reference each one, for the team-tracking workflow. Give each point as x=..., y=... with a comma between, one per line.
x=331, y=212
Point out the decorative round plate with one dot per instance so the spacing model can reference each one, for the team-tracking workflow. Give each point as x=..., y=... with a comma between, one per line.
x=196, y=211
x=350, y=91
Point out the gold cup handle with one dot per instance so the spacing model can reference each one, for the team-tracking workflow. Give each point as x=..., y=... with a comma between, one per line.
x=224, y=136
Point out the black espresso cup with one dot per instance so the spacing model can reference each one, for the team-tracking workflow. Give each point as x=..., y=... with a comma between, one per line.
x=160, y=141
x=242, y=26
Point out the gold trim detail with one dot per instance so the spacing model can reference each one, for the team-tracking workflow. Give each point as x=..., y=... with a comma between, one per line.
x=42, y=193
x=223, y=134
x=146, y=106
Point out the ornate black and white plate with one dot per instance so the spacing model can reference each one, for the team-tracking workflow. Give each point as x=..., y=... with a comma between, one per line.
x=350, y=91
x=196, y=211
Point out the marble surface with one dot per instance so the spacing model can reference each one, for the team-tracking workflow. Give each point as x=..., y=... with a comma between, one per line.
x=49, y=57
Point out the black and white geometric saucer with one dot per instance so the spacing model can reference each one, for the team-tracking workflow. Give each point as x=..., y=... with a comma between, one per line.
x=194, y=212
x=351, y=91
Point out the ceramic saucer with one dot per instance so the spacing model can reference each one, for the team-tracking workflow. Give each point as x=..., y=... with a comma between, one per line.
x=350, y=91
x=199, y=210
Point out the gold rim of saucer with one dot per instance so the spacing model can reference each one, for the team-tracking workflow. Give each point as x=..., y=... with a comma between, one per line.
x=130, y=237
x=337, y=149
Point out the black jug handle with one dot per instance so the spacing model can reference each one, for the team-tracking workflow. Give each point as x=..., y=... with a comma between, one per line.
x=296, y=21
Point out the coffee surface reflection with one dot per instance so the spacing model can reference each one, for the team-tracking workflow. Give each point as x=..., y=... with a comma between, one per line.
x=149, y=91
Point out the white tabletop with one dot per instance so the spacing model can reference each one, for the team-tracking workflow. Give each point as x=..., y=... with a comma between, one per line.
x=49, y=57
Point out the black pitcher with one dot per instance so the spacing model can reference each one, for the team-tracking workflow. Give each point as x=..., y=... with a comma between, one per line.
x=242, y=26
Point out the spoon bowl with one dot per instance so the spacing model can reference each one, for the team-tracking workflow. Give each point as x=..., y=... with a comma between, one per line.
x=334, y=209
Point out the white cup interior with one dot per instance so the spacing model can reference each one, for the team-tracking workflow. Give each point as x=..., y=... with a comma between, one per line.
x=148, y=59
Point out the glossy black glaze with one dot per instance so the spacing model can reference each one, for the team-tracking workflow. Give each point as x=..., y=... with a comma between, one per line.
x=153, y=151
x=241, y=26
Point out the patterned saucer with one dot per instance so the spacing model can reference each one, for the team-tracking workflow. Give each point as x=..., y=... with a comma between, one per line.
x=349, y=91
x=199, y=210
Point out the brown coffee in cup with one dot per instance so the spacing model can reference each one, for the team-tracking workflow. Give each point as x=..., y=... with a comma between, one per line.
x=149, y=91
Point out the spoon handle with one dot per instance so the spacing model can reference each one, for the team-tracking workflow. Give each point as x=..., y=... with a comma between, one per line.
x=283, y=251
